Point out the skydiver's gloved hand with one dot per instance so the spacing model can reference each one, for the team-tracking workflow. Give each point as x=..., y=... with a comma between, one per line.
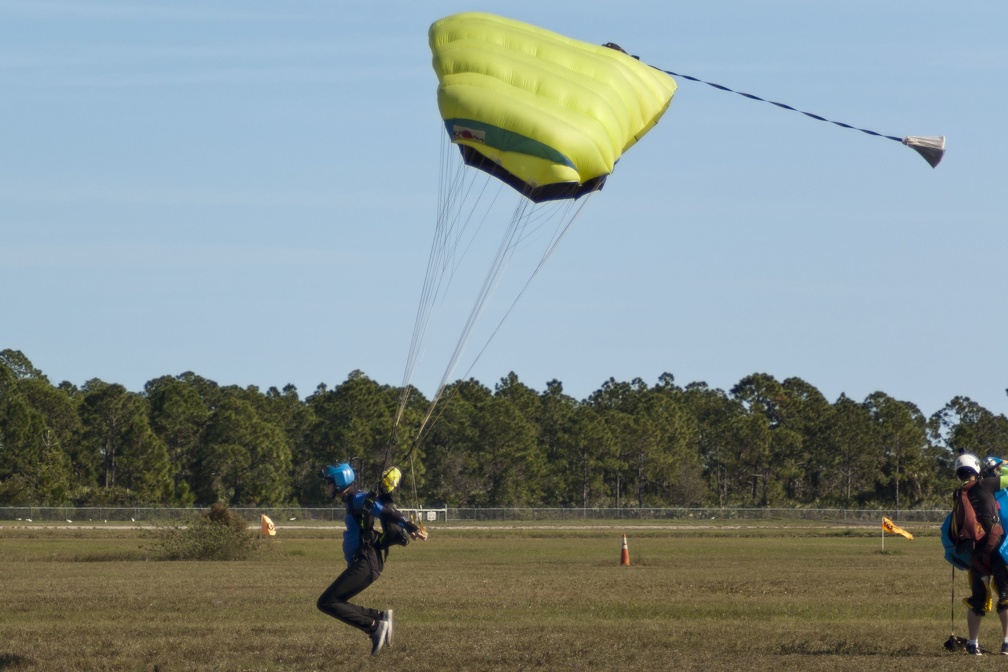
x=416, y=531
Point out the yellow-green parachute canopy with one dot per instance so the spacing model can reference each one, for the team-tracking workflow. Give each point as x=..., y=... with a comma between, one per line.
x=547, y=114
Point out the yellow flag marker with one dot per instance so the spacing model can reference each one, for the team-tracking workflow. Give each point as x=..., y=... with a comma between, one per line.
x=267, y=526
x=891, y=528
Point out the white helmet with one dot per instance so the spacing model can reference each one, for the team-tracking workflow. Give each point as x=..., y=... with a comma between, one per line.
x=967, y=464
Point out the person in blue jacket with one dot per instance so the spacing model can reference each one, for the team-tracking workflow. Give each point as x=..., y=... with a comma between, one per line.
x=363, y=557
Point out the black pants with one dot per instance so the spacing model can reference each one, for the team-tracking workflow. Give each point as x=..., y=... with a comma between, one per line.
x=998, y=572
x=362, y=572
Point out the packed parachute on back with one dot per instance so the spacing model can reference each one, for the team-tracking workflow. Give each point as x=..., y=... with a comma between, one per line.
x=962, y=531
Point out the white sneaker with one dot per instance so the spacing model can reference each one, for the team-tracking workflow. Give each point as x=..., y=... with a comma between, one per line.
x=389, y=614
x=379, y=636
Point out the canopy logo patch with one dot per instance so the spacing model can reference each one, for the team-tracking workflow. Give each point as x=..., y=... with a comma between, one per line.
x=464, y=134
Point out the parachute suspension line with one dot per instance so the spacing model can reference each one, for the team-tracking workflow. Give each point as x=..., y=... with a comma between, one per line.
x=504, y=253
x=454, y=186
x=547, y=212
x=412, y=469
x=490, y=282
x=570, y=213
x=463, y=193
x=463, y=211
x=423, y=307
x=567, y=220
x=932, y=148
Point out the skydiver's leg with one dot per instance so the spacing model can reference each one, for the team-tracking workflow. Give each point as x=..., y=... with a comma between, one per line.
x=1000, y=579
x=352, y=581
x=973, y=625
x=976, y=602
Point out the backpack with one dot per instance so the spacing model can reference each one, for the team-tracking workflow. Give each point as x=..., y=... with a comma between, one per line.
x=965, y=528
x=958, y=551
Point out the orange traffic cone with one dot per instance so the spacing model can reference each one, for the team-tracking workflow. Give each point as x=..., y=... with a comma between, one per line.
x=624, y=556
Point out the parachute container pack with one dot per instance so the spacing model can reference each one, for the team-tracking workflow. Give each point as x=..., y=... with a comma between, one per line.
x=963, y=559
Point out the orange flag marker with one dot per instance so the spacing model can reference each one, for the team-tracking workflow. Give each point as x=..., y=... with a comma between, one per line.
x=268, y=529
x=891, y=528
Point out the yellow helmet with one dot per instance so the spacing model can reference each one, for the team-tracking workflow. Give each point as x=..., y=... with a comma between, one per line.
x=390, y=479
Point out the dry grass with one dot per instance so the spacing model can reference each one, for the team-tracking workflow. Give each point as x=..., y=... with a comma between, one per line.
x=766, y=597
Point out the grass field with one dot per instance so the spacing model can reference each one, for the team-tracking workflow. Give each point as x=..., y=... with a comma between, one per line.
x=760, y=596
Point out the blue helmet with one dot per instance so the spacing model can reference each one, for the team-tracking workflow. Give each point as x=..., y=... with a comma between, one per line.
x=991, y=466
x=342, y=475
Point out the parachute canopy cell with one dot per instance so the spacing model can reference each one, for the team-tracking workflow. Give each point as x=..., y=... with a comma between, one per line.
x=546, y=114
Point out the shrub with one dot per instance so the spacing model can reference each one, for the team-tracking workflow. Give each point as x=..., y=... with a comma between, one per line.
x=218, y=533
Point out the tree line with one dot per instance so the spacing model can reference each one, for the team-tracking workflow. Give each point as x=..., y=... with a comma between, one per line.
x=188, y=441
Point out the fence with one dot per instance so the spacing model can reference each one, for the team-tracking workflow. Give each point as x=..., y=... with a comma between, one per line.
x=833, y=515
x=333, y=514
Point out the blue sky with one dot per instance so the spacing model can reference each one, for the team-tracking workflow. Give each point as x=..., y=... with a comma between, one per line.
x=247, y=190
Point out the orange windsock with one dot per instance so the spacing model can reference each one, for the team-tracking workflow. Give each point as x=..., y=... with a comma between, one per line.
x=624, y=556
x=892, y=528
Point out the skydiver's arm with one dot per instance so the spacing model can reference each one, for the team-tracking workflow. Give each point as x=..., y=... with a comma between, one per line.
x=394, y=516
